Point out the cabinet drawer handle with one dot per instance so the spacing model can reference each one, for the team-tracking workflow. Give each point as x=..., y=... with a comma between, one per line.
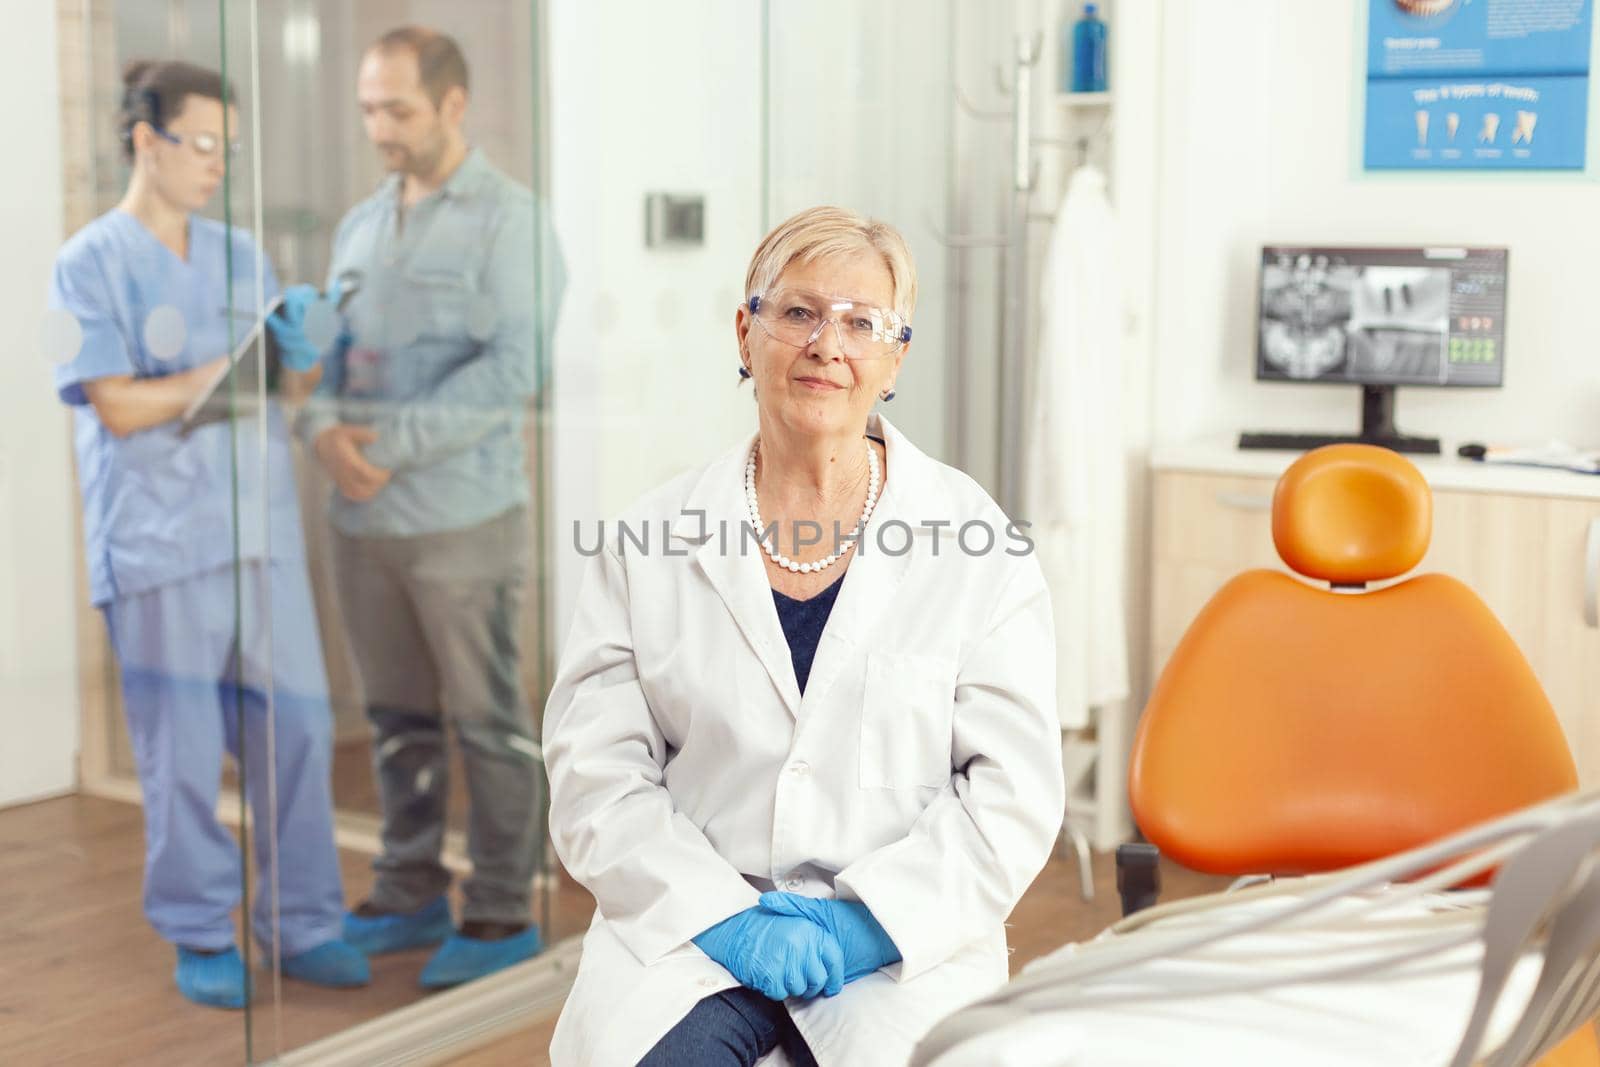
x=1591, y=576
x=1245, y=501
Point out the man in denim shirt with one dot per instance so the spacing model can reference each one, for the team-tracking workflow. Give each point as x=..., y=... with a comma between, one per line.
x=419, y=420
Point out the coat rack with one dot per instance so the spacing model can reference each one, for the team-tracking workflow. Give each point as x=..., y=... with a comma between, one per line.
x=1016, y=292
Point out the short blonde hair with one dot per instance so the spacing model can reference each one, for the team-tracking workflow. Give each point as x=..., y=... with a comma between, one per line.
x=823, y=232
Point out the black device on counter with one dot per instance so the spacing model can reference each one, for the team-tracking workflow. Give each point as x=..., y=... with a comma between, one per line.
x=1378, y=318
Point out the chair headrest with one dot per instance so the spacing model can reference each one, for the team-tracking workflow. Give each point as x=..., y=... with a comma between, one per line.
x=1349, y=514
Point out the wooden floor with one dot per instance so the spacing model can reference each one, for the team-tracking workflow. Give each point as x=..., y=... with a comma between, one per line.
x=84, y=980
x=1050, y=915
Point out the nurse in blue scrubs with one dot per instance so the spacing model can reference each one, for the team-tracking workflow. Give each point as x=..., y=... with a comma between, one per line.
x=149, y=285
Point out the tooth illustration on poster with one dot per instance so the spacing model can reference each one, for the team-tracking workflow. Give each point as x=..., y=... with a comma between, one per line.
x=1523, y=133
x=1466, y=85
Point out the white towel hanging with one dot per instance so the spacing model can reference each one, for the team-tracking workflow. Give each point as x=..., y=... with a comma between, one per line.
x=1074, y=478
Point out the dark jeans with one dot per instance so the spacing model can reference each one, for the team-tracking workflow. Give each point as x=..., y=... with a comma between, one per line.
x=433, y=622
x=734, y=1028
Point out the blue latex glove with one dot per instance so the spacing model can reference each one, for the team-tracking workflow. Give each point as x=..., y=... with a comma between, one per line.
x=865, y=944
x=777, y=956
x=288, y=326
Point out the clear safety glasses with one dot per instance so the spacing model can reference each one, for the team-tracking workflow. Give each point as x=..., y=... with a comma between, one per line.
x=205, y=144
x=797, y=317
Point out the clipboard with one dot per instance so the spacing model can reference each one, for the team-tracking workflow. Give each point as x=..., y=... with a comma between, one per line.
x=212, y=403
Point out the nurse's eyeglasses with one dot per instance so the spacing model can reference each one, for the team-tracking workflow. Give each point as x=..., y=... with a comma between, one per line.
x=205, y=144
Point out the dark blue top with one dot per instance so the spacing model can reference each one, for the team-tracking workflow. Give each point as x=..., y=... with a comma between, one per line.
x=803, y=621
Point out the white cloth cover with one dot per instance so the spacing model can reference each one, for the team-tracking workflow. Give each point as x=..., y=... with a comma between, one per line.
x=1410, y=1016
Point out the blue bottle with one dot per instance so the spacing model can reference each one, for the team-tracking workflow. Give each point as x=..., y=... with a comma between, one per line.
x=1088, y=52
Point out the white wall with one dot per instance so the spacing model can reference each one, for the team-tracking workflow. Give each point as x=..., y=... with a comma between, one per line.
x=1256, y=147
x=869, y=128
x=647, y=98
x=38, y=665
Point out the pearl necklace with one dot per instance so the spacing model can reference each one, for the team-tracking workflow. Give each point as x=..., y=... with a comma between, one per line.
x=755, y=512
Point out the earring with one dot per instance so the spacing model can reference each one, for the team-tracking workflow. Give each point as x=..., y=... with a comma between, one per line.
x=744, y=372
x=887, y=394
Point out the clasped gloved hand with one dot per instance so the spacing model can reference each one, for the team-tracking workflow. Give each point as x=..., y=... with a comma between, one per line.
x=288, y=325
x=779, y=956
x=865, y=944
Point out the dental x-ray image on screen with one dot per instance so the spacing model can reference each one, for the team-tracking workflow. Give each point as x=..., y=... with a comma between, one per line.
x=1399, y=319
x=1381, y=316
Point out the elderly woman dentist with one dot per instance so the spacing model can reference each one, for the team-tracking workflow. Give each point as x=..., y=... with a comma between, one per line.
x=806, y=782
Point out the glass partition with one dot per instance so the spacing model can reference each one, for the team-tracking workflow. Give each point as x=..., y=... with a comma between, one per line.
x=480, y=265
x=318, y=248
x=143, y=312
x=401, y=194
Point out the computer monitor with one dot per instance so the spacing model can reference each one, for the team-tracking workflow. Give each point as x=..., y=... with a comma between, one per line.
x=1379, y=318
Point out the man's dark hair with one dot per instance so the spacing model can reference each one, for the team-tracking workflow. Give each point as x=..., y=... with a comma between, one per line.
x=440, y=64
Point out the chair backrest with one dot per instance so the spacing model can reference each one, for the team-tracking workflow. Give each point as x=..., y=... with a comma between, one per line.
x=1300, y=728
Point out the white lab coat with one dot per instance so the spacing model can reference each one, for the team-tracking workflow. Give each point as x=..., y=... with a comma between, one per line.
x=920, y=773
x=1074, y=466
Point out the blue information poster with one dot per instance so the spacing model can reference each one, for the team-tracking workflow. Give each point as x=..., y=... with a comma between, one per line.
x=1478, y=84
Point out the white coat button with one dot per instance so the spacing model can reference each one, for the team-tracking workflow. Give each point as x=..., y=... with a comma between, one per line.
x=799, y=766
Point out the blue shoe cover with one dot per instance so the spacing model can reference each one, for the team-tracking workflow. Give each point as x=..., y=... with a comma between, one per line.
x=428, y=925
x=216, y=980
x=461, y=959
x=332, y=963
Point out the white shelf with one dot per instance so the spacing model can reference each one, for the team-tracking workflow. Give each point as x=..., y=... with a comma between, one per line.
x=1079, y=100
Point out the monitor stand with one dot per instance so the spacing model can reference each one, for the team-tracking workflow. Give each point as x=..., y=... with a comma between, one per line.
x=1377, y=428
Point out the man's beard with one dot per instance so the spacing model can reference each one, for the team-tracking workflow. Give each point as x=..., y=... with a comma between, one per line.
x=408, y=161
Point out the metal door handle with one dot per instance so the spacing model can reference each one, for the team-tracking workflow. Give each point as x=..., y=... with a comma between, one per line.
x=1591, y=576
x=1245, y=501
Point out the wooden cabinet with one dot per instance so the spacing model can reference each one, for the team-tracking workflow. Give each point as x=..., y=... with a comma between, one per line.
x=1567, y=656
x=1532, y=558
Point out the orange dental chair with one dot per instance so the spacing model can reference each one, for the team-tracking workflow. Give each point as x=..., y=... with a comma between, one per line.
x=1302, y=728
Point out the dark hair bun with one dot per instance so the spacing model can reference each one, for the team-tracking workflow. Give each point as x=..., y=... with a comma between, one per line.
x=135, y=71
x=154, y=90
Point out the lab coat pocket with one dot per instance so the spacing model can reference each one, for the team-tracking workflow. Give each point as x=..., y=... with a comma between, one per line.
x=907, y=715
